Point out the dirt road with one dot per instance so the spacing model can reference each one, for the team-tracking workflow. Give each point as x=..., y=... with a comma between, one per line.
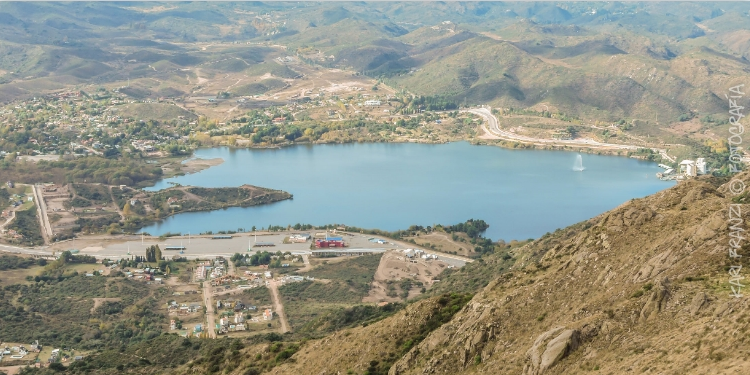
x=114, y=201
x=273, y=285
x=210, y=310
x=308, y=266
x=12, y=216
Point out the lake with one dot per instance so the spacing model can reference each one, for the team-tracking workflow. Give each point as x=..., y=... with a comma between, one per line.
x=520, y=193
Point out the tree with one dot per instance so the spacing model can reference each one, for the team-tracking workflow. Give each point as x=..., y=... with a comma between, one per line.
x=157, y=253
x=126, y=209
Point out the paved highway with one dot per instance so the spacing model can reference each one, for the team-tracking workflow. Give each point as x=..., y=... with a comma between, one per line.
x=41, y=209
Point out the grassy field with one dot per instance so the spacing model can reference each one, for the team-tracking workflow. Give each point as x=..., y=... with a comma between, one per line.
x=305, y=301
x=27, y=225
x=356, y=272
x=300, y=313
x=18, y=276
x=260, y=296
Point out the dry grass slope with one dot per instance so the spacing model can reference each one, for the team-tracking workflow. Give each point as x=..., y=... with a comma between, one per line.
x=643, y=290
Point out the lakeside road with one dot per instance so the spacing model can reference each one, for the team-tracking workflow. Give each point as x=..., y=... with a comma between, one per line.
x=493, y=130
x=202, y=246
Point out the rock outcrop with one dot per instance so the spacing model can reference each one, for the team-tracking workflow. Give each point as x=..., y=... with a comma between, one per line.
x=545, y=353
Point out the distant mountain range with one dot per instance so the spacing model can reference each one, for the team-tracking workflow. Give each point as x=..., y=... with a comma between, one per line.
x=605, y=61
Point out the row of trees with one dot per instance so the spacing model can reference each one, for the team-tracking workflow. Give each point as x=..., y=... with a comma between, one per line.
x=257, y=259
x=472, y=228
x=153, y=254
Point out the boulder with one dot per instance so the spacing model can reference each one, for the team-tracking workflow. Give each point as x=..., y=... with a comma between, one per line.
x=549, y=348
x=698, y=302
x=656, y=301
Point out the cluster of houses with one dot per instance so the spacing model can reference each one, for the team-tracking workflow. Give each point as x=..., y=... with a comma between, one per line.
x=15, y=352
x=80, y=120
x=692, y=168
x=211, y=269
x=233, y=324
x=20, y=351
x=145, y=274
x=417, y=253
x=174, y=308
x=235, y=318
x=225, y=280
x=145, y=145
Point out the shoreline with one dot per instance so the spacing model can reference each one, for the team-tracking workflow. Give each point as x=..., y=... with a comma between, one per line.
x=476, y=141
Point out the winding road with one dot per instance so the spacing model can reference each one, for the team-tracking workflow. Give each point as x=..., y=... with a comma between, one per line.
x=495, y=132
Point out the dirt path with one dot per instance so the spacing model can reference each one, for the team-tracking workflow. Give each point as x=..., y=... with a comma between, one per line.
x=117, y=206
x=308, y=266
x=12, y=216
x=12, y=370
x=191, y=196
x=210, y=312
x=100, y=301
x=278, y=306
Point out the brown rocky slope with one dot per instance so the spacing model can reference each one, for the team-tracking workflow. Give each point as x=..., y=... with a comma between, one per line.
x=642, y=289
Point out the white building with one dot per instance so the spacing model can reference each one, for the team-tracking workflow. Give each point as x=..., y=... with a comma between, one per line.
x=238, y=318
x=372, y=102
x=688, y=168
x=700, y=165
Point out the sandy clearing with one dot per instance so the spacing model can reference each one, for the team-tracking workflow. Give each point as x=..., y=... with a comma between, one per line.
x=197, y=165
x=394, y=266
x=12, y=370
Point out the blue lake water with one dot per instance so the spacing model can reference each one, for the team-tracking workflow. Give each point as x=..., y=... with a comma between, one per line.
x=520, y=193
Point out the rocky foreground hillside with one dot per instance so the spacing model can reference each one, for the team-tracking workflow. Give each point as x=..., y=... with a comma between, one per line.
x=642, y=289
